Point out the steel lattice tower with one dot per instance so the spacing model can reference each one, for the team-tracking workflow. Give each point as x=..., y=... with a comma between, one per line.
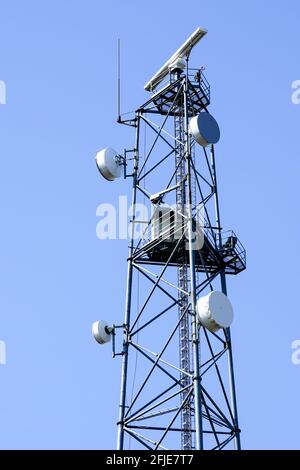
x=181, y=253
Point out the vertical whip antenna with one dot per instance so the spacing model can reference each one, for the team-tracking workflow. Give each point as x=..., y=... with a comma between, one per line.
x=119, y=80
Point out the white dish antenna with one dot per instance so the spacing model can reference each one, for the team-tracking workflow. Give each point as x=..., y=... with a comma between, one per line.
x=204, y=128
x=215, y=311
x=110, y=164
x=183, y=51
x=102, y=332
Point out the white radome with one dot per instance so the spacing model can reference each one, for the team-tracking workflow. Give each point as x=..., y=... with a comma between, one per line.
x=99, y=330
x=215, y=311
x=109, y=165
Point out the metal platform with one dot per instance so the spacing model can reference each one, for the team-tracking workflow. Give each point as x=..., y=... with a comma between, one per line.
x=165, y=98
x=231, y=257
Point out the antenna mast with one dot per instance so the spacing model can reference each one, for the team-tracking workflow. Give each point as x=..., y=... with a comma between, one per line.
x=119, y=80
x=183, y=257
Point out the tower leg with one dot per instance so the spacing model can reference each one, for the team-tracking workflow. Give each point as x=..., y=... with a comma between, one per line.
x=237, y=439
x=122, y=408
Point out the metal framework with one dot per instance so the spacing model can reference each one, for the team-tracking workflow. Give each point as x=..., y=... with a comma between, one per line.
x=172, y=400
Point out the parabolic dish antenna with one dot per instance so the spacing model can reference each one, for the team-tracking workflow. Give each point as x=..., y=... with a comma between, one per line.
x=109, y=164
x=101, y=332
x=205, y=129
x=215, y=311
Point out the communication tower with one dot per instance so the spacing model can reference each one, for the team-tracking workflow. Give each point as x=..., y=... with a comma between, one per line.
x=177, y=380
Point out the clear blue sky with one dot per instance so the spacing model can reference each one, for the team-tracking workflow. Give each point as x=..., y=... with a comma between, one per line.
x=58, y=59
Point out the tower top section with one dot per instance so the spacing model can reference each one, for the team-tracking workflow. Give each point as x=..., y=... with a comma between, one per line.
x=183, y=52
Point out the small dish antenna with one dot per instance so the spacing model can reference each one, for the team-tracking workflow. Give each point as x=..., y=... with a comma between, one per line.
x=110, y=164
x=102, y=332
x=205, y=130
x=215, y=311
